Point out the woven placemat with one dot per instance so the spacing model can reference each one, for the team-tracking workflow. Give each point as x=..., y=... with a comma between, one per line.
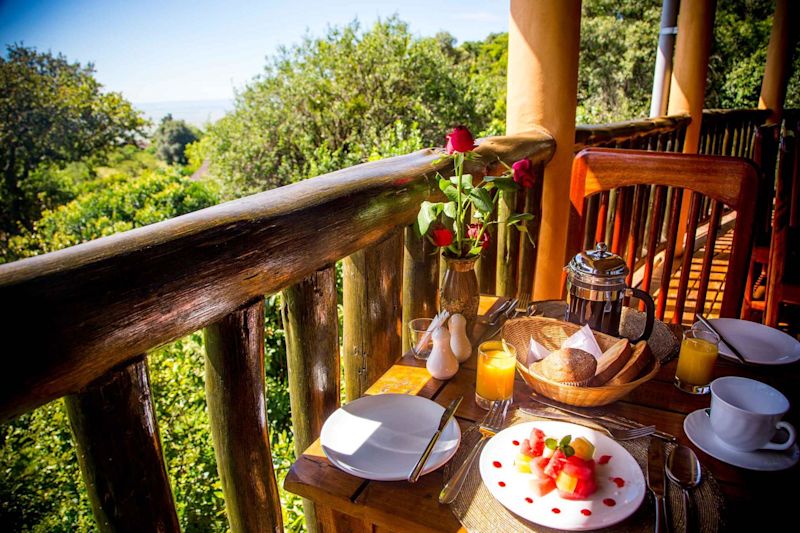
x=478, y=511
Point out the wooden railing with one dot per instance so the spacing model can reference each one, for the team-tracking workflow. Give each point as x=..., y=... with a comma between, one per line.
x=87, y=315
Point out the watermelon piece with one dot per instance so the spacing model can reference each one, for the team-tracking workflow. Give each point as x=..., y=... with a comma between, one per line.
x=541, y=487
x=537, y=442
x=578, y=468
x=525, y=448
x=583, y=489
x=538, y=466
x=556, y=464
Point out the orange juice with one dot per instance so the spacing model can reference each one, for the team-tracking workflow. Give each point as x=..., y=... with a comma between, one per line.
x=696, y=361
x=495, y=376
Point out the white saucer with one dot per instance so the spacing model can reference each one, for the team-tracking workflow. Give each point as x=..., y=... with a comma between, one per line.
x=697, y=426
x=758, y=344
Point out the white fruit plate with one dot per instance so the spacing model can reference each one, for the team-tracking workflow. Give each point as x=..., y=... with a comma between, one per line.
x=609, y=505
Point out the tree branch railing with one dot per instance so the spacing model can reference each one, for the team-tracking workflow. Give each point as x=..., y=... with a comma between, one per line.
x=86, y=314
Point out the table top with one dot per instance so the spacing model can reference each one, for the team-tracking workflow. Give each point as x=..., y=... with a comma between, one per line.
x=757, y=498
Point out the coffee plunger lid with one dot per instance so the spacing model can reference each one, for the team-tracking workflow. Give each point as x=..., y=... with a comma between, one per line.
x=598, y=266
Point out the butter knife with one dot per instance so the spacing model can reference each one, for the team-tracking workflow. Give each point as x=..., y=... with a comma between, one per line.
x=716, y=332
x=494, y=328
x=576, y=411
x=446, y=416
x=655, y=481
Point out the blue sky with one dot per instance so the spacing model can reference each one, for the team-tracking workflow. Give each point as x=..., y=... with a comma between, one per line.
x=181, y=50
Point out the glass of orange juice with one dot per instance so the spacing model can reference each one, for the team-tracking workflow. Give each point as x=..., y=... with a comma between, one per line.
x=696, y=361
x=497, y=364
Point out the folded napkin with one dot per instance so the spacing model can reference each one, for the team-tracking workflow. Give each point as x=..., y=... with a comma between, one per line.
x=582, y=339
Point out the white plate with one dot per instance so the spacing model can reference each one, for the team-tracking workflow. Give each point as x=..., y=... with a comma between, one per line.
x=382, y=437
x=697, y=426
x=540, y=510
x=759, y=344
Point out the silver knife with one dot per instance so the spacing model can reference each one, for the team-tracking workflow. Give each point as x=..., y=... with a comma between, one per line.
x=492, y=330
x=446, y=416
x=716, y=332
x=576, y=411
x=655, y=481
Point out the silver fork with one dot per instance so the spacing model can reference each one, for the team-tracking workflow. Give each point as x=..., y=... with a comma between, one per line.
x=522, y=305
x=615, y=433
x=489, y=426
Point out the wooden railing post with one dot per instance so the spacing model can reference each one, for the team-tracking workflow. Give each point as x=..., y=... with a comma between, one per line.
x=507, y=247
x=238, y=417
x=114, y=426
x=420, y=280
x=372, y=313
x=311, y=323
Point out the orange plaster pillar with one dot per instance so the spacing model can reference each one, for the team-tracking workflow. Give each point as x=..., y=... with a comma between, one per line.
x=779, y=58
x=688, y=87
x=543, y=42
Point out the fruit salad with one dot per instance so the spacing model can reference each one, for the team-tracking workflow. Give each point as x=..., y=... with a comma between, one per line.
x=566, y=465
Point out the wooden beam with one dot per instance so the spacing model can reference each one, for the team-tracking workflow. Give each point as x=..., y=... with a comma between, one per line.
x=238, y=417
x=114, y=425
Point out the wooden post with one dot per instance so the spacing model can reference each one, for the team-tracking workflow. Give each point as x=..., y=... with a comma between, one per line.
x=238, y=417
x=372, y=313
x=779, y=58
x=687, y=90
x=420, y=280
x=311, y=322
x=115, y=430
x=507, y=247
x=543, y=41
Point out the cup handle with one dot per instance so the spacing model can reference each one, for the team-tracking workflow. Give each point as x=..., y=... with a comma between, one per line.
x=789, y=442
x=650, y=310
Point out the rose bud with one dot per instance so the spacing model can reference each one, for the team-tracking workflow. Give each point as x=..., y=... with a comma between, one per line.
x=523, y=173
x=474, y=230
x=460, y=140
x=441, y=236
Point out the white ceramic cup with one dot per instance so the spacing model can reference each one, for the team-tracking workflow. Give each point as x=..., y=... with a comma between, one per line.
x=745, y=414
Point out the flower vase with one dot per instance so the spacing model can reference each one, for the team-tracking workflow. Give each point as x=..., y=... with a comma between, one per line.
x=460, y=292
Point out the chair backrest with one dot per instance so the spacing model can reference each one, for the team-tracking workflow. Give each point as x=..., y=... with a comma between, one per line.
x=726, y=181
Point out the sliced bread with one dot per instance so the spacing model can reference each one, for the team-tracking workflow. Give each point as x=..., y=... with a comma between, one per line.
x=640, y=360
x=611, y=362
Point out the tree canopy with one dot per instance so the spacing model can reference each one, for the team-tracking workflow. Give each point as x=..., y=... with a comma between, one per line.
x=171, y=139
x=51, y=111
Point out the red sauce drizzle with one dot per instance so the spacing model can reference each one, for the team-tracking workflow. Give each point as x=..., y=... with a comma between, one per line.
x=586, y=512
x=497, y=464
x=604, y=459
x=515, y=442
x=501, y=483
x=529, y=499
x=610, y=502
x=556, y=510
x=618, y=481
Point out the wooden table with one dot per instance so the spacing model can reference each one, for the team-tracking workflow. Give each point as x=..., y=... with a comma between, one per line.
x=347, y=503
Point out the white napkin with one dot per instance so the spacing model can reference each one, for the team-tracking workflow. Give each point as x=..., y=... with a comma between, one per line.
x=437, y=321
x=582, y=339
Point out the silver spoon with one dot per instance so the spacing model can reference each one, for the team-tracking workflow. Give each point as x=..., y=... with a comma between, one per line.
x=683, y=469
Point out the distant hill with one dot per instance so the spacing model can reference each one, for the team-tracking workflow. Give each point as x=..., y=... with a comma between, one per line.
x=196, y=112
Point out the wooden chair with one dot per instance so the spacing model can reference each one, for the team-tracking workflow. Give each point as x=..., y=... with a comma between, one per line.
x=785, y=224
x=725, y=180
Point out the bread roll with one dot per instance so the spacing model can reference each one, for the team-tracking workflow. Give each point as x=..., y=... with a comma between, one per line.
x=641, y=358
x=611, y=362
x=569, y=366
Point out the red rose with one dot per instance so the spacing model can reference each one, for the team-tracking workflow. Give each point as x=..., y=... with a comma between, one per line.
x=523, y=174
x=474, y=230
x=441, y=236
x=460, y=140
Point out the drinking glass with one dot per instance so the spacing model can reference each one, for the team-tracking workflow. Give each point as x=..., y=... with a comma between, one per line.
x=418, y=329
x=497, y=363
x=699, y=351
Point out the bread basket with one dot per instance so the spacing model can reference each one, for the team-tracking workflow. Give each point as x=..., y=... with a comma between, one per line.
x=551, y=333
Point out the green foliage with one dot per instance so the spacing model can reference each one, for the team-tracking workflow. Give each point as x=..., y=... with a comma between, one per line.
x=331, y=102
x=105, y=206
x=171, y=139
x=51, y=111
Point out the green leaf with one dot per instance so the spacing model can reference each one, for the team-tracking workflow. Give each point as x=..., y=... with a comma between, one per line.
x=505, y=185
x=427, y=214
x=482, y=200
x=568, y=450
x=450, y=209
x=519, y=217
x=565, y=441
x=551, y=443
x=476, y=250
x=443, y=184
x=451, y=193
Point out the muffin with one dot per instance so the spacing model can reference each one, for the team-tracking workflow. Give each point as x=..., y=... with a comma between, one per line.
x=568, y=366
